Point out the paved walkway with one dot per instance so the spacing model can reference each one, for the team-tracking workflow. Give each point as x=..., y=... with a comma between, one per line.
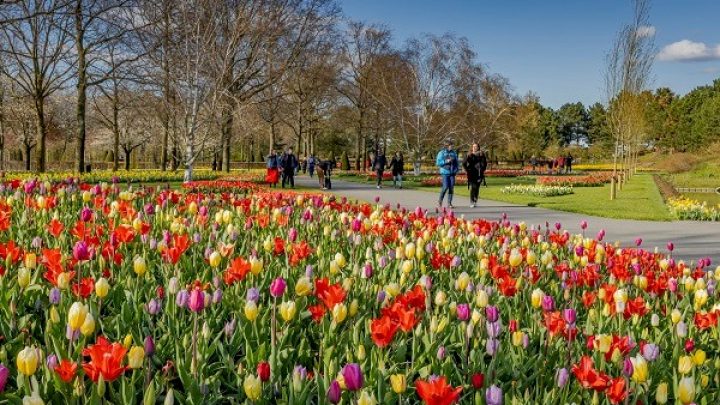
x=693, y=240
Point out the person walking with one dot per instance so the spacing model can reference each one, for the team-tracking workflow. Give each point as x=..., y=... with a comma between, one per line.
x=397, y=165
x=447, y=161
x=568, y=163
x=379, y=163
x=311, y=161
x=473, y=165
x=273, y=169
x=289, y=166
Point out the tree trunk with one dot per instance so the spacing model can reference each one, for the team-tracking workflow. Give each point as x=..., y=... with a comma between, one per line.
x=127, y=159
x=226, y=134
x=28, y=150
x=116, y=135
x=81, y=87
x=272, y=136
x=41, y=133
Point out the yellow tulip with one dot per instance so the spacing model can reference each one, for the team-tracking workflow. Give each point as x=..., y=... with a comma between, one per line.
x=410, y=250
x=288, y=310
x=602, y=343
x=517, y=337
x=63, y=280
x=685, y=364
x=699, y=357
x=23, y=277
x=536, y=298
x=481, y=299
x=102, y=287
x=339, y=312
x=398, y=383
x=76, y=315
x=515, y=258
x=463, y=281
x=340, y=260
x=392, y=289
x=214, y=259
x=136, y=355
x=686, y=390
x=407, y=266
x=661, y=393
x=366, y=399
x=704, y=380
x=675, y=316
x=253, y=387
x=30, y=260
x=54, y=315
x=88, y=326
x=640, y=369
x=256, y=266
x=139, y=266
x=440, y=298
x=251, y=310
x=620, y=295
x=303, y=286
x=353, y=308
x=127, y=341
x=27, y=360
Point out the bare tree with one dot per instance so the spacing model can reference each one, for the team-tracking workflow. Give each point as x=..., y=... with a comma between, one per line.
x=628, y=73
x=361, y=47
x=36, y=45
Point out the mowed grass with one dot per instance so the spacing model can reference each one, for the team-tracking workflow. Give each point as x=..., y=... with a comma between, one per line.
x=710, y=199
x=639, y=199
x=706, y=174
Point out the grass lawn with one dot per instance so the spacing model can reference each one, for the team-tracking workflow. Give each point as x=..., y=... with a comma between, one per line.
x=710, y=199
x=639, y=199
x=706, y=174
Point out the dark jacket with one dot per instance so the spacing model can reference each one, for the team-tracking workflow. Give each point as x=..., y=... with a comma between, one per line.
x=397, y=166
x=379, y=163
x=289, y=163
x=474, y=165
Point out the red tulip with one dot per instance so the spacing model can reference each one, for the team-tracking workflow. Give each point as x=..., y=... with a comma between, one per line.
x=477, y=380
x=263, y=371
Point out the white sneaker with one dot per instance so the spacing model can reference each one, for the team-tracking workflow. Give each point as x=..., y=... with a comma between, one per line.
x=378, y=187
x=472, y=205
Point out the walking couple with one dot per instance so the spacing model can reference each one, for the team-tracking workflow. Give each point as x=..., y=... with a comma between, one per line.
x=474, y=165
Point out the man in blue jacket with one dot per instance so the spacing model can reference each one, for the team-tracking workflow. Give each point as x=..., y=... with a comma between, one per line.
x=447, y=161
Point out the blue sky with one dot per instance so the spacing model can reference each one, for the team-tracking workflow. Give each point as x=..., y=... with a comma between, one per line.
x=557, y=48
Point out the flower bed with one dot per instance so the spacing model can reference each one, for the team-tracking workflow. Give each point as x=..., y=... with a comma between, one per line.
x=538, y=190
x=147, y=296
x=591, y=180
x=461, y=179
x=121, y=176
x=687, y=209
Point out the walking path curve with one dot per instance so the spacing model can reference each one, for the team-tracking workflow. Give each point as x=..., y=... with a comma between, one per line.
x=693, y=240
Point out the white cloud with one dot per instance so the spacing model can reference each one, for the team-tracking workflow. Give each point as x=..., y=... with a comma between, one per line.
x=711, y=70
x=646, y=31
x=689, y=51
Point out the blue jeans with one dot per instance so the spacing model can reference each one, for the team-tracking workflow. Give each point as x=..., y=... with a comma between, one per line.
x=448, y=186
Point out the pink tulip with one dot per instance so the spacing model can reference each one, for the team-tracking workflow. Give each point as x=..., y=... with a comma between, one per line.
x=277, y=287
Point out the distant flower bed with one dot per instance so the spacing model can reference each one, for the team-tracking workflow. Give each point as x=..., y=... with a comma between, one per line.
x=538, y=190
x=221, y=186
x=687, y=209
x=461, y=179
x=108, y=176
x=591, y=180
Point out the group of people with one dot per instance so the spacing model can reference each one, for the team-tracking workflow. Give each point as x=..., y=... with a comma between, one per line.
x=284, y=167
x=474, y=164
x=397, y=168
x=560, y=164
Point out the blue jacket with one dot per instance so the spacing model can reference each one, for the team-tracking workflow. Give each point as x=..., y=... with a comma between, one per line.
x=447, y=161
x=273, y=162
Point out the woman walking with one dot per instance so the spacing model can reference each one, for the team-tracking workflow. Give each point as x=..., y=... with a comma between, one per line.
x=397, y=166
x=273, y=169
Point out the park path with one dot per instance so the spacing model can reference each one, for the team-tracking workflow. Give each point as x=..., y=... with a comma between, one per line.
x=693, y=240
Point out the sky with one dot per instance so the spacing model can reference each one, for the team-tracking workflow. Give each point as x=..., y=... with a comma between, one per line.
x=557, y=48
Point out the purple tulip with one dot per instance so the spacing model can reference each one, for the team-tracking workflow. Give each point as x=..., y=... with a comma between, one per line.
x=494, y=395
x=493, y=329
x=638, y=242
x=583, y=226
x=548, y=304
x=4, y=374
x=333, y=392
x=51, y=361
x=217, y=296
x=229, y=328
x=492, y=346
x=149, y=345
x=71, y=334
x=54, y=296
x=569, y=315
x=353, y=376
x=253, y=294
x=650, y=351
x=381, y=296
x=86, y=214
x=601, y=235
x=368, y=270
x=301, y=372
x=441, y=352
x=562, y=377
x=492, y=314
x=196, y=303
x=81, y=251
x=182, y=298
x=309, y=271
x=153, y=307
x=670, y=246
x=292, y=235
x=463, y=312
x=627, y=368
x=277, y=287
x=37, y=242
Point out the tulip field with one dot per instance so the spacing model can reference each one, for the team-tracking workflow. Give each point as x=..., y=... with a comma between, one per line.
x=223, y=292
